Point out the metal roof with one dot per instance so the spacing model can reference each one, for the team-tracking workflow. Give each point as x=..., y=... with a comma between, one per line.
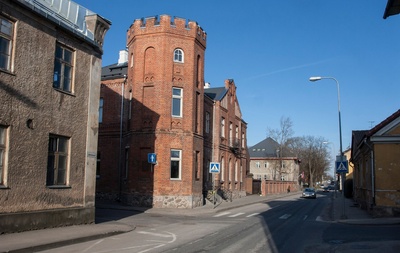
x=265, y=148
x=114, y=71
x=216, y=93
x=65, y=13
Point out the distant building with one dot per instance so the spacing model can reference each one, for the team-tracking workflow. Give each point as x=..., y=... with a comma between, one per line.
x=375, y=154
x=268, y=162
x=50, y=67
x=162, y=107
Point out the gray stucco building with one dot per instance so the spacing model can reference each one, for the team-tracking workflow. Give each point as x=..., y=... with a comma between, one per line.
x=50, y=65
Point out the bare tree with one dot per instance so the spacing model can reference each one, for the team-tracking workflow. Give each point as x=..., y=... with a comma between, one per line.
x=314, y=157
x=281, y=135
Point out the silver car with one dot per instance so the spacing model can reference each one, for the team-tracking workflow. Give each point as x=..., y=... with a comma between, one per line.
x=309, y=193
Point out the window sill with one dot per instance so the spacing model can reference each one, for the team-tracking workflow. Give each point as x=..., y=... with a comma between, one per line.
x=65, y=92
x=7, y=72
x=3, y=187
x=59, y=187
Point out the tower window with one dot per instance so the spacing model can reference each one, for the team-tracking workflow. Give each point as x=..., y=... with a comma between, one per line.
x=178, y=55
x=176, y=102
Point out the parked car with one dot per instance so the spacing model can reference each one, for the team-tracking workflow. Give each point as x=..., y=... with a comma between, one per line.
x=309, y=193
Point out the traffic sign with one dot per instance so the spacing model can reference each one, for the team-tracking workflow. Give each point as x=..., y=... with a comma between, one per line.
x=214, y=167
x=152, y=158
x=342, y=166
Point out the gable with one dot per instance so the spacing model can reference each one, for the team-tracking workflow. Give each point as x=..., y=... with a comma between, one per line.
x=387, y=130
x=394, y=131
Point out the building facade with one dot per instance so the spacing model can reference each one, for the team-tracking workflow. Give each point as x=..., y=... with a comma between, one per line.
x=158, y=124
x=48, y=113
x=375, y=154
x=225, y=137
x=268, y=163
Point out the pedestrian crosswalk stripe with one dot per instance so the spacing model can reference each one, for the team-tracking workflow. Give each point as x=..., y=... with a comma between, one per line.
x=251, y=215
x=235, y=215
x=221, y=214
x=285, y=216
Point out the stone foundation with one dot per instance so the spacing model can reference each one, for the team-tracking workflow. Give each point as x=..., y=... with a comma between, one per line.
x=25, y=221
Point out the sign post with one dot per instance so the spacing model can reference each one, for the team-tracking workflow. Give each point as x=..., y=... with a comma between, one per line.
x=342, y=167
x=214, y=169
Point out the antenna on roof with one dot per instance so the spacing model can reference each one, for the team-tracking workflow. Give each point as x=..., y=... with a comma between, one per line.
x=371, y=122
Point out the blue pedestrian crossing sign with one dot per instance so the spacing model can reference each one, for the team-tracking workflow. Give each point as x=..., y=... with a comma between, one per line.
x=152, y=158
x=342, y=166
x=214, y=167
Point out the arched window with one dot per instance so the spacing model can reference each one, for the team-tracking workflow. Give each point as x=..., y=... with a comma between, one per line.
x=178, y=55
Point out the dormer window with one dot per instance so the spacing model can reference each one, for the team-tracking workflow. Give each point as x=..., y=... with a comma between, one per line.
x=178, y=55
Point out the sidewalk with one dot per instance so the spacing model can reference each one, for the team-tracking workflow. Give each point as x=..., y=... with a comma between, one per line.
x=345, y=211
x=32, y=241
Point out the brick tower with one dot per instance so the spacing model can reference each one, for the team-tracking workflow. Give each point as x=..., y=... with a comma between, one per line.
x=166, y=78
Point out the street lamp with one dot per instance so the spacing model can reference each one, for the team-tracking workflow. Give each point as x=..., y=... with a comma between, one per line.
x=318, y=78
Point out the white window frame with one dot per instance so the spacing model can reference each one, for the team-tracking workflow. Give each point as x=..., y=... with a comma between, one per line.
x=179, y=98
x=3, y=154
x=179, y=55
x=178, y=159
x=6, y=35
x=223, y=127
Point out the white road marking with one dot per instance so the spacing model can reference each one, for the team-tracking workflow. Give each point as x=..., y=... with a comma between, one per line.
x=251, y=215
x=221, y=214
x=235, y=215
x=155, y=234
x=285, y=216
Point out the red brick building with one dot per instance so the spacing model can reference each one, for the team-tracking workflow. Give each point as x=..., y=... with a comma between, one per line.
x=161, y=90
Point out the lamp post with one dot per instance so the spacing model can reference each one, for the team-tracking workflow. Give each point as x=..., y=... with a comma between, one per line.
x=318, y=78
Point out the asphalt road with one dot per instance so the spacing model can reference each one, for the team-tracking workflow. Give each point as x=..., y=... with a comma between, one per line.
x=289, y=224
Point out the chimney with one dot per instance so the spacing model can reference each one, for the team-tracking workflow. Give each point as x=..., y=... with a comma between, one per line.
x=123, y=57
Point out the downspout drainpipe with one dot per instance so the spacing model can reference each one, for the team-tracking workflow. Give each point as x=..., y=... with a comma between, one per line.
x=120, y=140
x=213, y=154
x=372, y=171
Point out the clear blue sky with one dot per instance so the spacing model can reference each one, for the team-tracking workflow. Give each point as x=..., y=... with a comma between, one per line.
x=271, y=48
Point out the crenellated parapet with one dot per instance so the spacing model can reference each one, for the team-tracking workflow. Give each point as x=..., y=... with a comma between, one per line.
x=167, y=24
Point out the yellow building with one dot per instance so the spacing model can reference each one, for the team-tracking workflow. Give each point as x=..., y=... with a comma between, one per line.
x=376, y=159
